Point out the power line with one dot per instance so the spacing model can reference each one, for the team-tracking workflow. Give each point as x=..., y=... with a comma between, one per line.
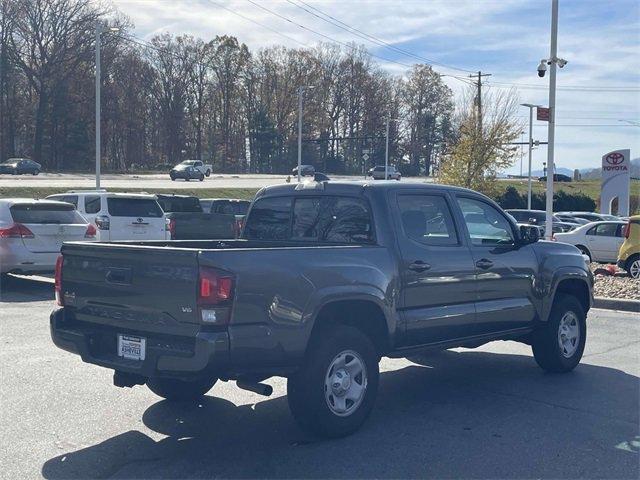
x=575, y=88
x=366, y=36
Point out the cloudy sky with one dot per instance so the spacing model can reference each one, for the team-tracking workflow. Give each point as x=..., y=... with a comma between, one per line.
x=599, y=90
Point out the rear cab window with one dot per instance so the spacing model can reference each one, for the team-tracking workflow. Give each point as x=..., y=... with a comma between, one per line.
x=322, y=219
x=134, y=207
x=43, y=213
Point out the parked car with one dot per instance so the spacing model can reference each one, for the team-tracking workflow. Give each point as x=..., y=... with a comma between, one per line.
x=600, y=241
x=305, y=171
x=539, y=218
x=629, y=254
x=574, y=220
x=591, y=216
x=229, y=206
x=188, y=221
x=186, y=172
x=199, y=165
x=20, y=166
x=557, y=177
x=377, y=173
x=119, y=216
x=32, y=232
x=326, y=280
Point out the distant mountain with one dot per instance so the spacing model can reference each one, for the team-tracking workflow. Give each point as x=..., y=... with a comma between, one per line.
x=588, y=173
x=561, y=170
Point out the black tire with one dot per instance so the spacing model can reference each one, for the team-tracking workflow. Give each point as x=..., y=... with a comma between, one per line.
x=180, y=390
x=173, y=179
x=633, y=272
x=201, y=178
x=306, y=390
x=546, y=343
x=208, y=172
x=585, y=251
x=35, y=172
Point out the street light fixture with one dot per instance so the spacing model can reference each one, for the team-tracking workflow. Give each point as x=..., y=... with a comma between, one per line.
x=100, y=29
x=530, y=106
x=301, y=89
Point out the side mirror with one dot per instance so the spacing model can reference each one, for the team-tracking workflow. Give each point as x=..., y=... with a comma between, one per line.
x=529, y=234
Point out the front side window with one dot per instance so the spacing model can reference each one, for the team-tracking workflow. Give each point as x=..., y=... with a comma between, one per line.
x=92, y=204
x=427, y=219
x=486, y=225
x=269, y=219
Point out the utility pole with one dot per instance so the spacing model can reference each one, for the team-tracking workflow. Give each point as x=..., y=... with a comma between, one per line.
x=480, y=136
x=530, y=107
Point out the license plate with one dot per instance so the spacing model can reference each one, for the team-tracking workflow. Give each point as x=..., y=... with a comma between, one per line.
x=131, y=348
x=139, y=230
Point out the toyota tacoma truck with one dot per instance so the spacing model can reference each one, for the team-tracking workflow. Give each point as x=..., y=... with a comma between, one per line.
x=327, y=278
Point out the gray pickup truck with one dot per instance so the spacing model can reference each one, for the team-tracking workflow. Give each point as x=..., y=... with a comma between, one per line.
x=327, y=278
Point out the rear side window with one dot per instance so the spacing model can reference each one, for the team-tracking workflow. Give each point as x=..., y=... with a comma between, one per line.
x=427, y=219
x=134, y=207
x=91, y=204
x=269, y=219
x=180, y=204
x=332, y=220
x=45, y=214
x=607, y=230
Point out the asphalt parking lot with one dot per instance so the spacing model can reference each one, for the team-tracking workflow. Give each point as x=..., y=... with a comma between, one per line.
x=485, y=413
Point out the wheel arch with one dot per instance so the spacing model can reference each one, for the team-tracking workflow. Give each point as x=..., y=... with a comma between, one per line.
x=577, y=286
x=365, y=312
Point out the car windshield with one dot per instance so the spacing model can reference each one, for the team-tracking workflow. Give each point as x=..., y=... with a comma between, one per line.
x=45, y=213
x=188, y=162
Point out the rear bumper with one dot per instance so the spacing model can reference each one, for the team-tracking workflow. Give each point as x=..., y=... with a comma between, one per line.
x=17, y=259
x=181, y=357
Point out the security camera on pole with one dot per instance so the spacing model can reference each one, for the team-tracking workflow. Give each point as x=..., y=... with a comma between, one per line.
x=552, y=61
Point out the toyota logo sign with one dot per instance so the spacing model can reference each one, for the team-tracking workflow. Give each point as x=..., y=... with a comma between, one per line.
x=614, y=158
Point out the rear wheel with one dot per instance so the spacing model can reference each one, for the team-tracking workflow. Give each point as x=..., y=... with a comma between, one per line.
x=559, y=344
x=36, y=172
x=208, y=172
x=180, y=390
x=201, y=178
x=633, y=266
x=335, y=391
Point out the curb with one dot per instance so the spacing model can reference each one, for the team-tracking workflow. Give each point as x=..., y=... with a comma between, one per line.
x=617, y=304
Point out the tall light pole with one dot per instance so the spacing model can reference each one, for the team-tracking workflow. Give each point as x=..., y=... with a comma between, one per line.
x=554, y=62
x=300, y=95
x=100, y=29
x=386, y=150
x=531, y=107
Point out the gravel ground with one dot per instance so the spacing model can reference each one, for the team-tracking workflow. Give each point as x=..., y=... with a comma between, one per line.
x=619, y=285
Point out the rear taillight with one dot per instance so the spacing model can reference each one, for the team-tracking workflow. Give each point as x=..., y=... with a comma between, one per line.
x=215, y=293
x=103, y=222
x=17, y=230
x=171, y=227
x=58, y=281
x=626, y=230
x=91, y=232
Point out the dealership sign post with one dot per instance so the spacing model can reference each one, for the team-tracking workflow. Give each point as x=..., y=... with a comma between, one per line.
x=616, y=180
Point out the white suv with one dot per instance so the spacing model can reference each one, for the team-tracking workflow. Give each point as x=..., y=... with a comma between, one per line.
x=32, y=232
x=119, y=216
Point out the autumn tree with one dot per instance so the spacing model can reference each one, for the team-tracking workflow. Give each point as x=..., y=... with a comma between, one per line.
x=483, y=147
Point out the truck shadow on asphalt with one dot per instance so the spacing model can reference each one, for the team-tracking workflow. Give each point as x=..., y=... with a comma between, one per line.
x=16, y=289
x=454, y=414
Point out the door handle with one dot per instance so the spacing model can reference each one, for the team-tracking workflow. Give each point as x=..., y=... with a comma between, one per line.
x=484, y=263
x=419, y=266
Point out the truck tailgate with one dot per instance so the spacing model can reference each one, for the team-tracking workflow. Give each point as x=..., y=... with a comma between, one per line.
x=150, y=289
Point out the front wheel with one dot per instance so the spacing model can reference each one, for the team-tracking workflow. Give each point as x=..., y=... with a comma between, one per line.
x=336, y=389
x=180, y=390
x=201, y=178
x=35, y=172
x=633, y=266
x=559, y=344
